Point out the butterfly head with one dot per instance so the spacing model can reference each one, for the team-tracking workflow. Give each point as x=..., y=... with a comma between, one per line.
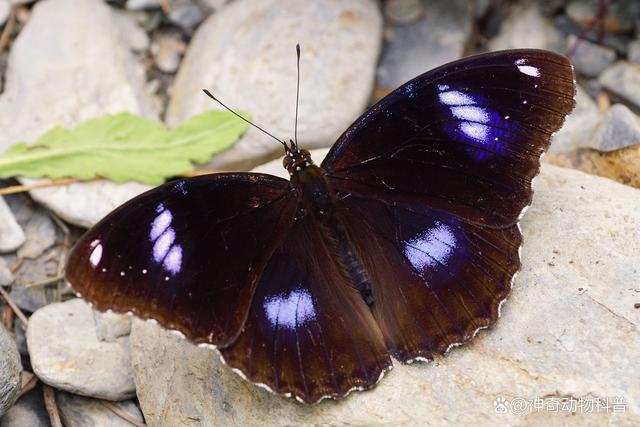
x=296, y=159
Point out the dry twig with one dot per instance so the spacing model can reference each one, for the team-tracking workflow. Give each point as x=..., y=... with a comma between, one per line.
x=121, y=413
x=14, y=307
x=29, y=381
x=52, y=407
x=8, y=29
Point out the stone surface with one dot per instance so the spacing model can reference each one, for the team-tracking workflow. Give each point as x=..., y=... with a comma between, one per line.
x=111, y=326
x=6, y=276
x=569, y=329
x=245, y=54
x=136, y=37
x=11, y=234
x=76, y=361
x=167, y=50
x=439, y=37
x=619, y=16
x=619, y=128
x=622, y=79
x=5, y=10
x=78, y=411
x=186, y=15
x=525, y=26
x=634, y=51
x=86, y=203
x=28, y=411
x=589, y=58
x=93, y=76
x=10, y=371
x=403, y=12
x=40, y=235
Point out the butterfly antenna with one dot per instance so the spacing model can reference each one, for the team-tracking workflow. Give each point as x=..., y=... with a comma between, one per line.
x=295, y=131
x=239, y=116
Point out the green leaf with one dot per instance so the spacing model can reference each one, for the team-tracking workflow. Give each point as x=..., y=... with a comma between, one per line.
x=123, y=147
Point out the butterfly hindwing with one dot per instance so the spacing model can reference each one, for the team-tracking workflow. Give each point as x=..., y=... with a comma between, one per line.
x=465, y=138
x=309, y=333
x=435, y=279
x=187, y=254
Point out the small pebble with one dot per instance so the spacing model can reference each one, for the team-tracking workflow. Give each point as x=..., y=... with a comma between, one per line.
x=590, y=59
x=11, y=234
x=10, y=371
x=76, y=360
x=40, y=235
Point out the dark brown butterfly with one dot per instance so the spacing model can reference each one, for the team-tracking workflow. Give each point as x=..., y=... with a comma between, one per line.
x=403, y=243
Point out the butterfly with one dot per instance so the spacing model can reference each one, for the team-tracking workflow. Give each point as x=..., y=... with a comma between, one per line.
x=402, y=243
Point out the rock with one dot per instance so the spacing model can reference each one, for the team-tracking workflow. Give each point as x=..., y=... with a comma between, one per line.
x=143, y=4
x=618, y=18
x=6, y=276
x=579, y=126
x=403, y=12
x=11, y=234
x=167, y=50
x=619, y=128
x=30, y=299
x=589, y=58
x=66, y=353
x=29, y=411
x=622, y=79
x=245, y=54
x=634, y=51
x=212, y=5
x=21, y=338
x=111, y=326
x=78, y=411
x=582, y=235
x=439, y=37
x=525, y=26
x=86, y=203
x=93, y=76
x=136, y=37
x=5, y=10
x=10, y=371
x=186, y=15
x=40, y=235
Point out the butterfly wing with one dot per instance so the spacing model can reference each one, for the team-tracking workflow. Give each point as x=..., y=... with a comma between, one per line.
x=431, y=182
x=435, y=279
x=465, y=138
x=309, y=333
x=187, y=254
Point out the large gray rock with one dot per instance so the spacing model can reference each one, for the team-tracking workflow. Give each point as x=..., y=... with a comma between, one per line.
x=67, y=354
x=64, y=77
x=439, y=37
x=525, y=26
x=11, y=234
x=245, y=54
x=569, y=329
x=10, y=371
x=78, y=411
x=622, y=79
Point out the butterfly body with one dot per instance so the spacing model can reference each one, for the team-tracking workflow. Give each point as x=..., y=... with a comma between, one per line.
x=403, y=242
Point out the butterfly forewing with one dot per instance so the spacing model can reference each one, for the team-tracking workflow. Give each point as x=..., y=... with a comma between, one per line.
x=465, y=138
x=187, y=254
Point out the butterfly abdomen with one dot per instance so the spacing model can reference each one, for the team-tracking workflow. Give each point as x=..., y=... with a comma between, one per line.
x=319, y=200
